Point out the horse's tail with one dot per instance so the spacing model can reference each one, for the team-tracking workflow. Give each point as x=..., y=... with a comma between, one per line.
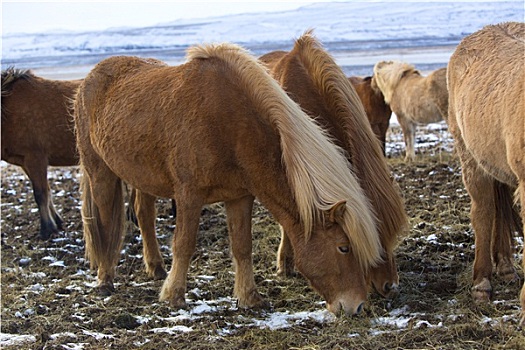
x=317, y=170
x=362, y=145
x=508, y=219
x=102, y=245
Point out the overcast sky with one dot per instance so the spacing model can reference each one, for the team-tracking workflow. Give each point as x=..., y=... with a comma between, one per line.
x=39, y=16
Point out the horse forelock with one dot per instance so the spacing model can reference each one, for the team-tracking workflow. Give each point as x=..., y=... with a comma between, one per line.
x=388, y=74
x=372, y=169
x=317, y=170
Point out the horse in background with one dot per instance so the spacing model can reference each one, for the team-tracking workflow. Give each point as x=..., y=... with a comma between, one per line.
x=219, y=128
x=313, y=79
x=487, y=119
x=414, y=99
x=377, y=111
x=37, y=132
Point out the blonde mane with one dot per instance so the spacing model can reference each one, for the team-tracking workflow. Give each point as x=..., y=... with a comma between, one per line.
x=387, y=75
x=317, y=170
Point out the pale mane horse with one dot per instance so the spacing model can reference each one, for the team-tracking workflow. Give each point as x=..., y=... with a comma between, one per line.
x=37, y=132
x=313, y=79
x=414, y=99
x=219, y=128
x=487, y=119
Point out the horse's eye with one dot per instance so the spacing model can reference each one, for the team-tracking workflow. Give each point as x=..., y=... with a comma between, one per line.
x=344, y=249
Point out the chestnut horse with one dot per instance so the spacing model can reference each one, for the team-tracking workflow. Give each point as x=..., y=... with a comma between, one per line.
x=377, y=111
x=219, y=128
x=37, y=132
x=414, y=99
x=487, y=120
x=313, y=79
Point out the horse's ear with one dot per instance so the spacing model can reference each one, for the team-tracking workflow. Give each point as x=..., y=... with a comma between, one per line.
x=336, y=213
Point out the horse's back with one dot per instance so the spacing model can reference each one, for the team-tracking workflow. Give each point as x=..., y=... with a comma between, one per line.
x=487, y=97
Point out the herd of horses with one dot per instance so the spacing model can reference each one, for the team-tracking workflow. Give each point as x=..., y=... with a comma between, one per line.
x=290, y=129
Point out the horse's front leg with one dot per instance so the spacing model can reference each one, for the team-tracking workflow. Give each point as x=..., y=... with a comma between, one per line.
x=36, y=170
x=184, y=242
x=146, y=215
x=285, y=256
x=409, y=135
x=239, y=219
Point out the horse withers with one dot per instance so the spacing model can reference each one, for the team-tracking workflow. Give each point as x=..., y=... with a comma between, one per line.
x=219, y=128
x=313, y=79
x=486, y=78
x=37, y=132
x=414, y=98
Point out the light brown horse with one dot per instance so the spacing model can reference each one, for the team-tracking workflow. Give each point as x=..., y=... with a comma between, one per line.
x=377, y=111
x=487, y=119
x=37, y=132
x=313, y=79
x=414, y=99
x=219, y=128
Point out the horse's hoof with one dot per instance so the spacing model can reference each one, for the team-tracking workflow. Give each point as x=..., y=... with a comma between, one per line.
x=175, y=297
x=482, y=292
x=106, y=290
x=253, y=301
x=507, y=272
x=157, y=273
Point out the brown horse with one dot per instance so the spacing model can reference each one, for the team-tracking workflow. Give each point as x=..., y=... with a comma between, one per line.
x=37, y=132
x=313, y=79
x=487, y=120
x=414, y=99
x=377, y=111
x=219, y=128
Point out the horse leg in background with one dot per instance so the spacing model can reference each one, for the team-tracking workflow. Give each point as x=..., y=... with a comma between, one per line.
x=103, y=218
x=239, y=220
x=409, y=134
x=285, y=257
x=145, y=212
x=507, y=220
x=521, y=190
x=36, y=169
x=183, y=247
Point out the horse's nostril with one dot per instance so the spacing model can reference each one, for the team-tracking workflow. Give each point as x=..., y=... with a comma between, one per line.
x=387, y=287
x=359, y=308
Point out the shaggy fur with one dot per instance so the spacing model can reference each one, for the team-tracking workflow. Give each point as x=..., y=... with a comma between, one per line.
x=313, y=79
x=37, y=132
x=487, y=119
x=235, y=137
x=413, y=98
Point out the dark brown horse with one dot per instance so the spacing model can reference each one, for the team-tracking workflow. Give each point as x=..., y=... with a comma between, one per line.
x=486, y=76
x=377, y=111
x=37, y=132
x=219, y=128
x=313, y=79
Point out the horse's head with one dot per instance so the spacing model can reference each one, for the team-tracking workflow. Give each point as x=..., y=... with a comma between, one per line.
x=388, y=74
x=327, y=261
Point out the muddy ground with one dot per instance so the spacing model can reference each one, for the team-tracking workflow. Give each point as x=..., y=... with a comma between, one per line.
x=49, y=302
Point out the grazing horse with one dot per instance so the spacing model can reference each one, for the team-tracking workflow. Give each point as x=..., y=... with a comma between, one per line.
x=313, y=79
x=377, y=111
x=487, y=119
x=414, y=99
x=37, y=132
x=219, y=128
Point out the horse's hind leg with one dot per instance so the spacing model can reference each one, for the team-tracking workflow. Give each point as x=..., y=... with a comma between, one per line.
x=103, y=217
x=36, y=170
x=239, y=217
x=146, y=215
x=184, y=241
